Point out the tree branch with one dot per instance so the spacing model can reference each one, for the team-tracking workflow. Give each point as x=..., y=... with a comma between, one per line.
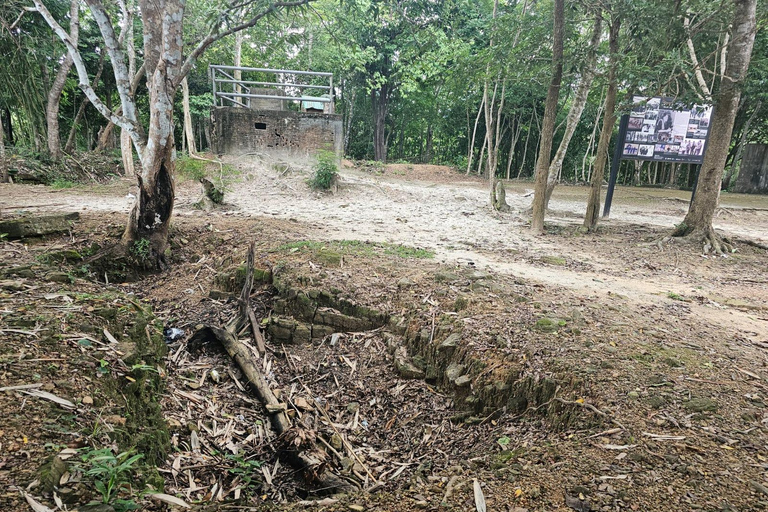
x=213, y=36
x=117, y=56
x=82, y=72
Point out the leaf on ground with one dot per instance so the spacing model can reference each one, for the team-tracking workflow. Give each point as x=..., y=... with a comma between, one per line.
x=171, y=500
x=36, y=505
x=479, y=497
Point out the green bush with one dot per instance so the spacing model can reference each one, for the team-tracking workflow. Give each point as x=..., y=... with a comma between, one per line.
x=326, y=171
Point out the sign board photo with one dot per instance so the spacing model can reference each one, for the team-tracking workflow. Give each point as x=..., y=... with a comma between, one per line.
x=657, y=132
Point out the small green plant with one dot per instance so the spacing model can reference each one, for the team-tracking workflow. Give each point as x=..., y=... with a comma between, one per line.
x=110, y=474
x=244, y=468
x=140, y=249
x=326, y=171
x=60, y=183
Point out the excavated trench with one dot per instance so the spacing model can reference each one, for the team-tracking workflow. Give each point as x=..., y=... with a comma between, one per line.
x=438, y=351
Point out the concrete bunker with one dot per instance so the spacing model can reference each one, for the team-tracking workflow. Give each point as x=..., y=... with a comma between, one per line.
x=291, y=114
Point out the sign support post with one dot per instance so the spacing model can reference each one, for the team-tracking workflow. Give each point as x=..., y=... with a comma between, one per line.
x=615, y=165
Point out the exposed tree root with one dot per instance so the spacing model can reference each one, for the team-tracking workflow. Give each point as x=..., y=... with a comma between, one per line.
x=709, y=240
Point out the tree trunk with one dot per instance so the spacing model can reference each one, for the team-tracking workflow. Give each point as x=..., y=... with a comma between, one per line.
x=4, y=176
x=54, y=94
x=380, y=106
x=699, y=218
x=577, y=108
x=8, y=126
x=471, y=152
x=548, y=123
x=609, y=120
x=742, y=141
x=189, y=132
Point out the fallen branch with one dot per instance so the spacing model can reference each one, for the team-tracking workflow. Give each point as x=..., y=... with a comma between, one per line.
x=310, y=459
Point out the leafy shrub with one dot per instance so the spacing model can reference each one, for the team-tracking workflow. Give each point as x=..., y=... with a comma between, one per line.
x=326, y=171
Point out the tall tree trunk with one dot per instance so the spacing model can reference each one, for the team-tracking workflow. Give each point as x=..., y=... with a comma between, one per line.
x=54, y=94
x=471, y=151
x=548, y=123
x=126, y=34
x=238, y=75
x=4, y=176
x=609, y=120
x=8, y=126
x=72, y=137
x=577, y=108
x=188, y=130
x=380, y=104
x=742, y=141
x=698, y=221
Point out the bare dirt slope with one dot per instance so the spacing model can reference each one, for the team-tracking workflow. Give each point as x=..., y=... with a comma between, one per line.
x=659, y=352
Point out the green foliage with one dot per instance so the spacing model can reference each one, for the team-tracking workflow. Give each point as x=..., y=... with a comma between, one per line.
x=110, y=474
x=60, y=183
x=190, y=168
x=140, y=249
x=325, y=171
x=246, y=469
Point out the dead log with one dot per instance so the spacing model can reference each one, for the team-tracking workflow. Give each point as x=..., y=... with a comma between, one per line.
x=298, y=446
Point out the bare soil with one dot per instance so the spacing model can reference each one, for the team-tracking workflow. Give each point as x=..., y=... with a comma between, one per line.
x=657, y=352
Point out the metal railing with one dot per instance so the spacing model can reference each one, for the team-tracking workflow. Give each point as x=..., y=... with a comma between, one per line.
x=227, y=90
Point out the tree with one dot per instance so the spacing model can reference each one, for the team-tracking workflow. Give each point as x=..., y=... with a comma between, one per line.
x=165, y=68
x=698, y=221
x=548, y=123
x=609, y=120
x=54, y=93
x=576, y=109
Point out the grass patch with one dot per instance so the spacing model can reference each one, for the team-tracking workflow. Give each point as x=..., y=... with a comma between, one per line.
x=61, y=183
x=357, y=248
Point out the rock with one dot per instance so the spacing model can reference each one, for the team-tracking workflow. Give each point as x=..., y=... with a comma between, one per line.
x=405, y=366
x=405, y=283
x=454, y=371
x=462, y=381
x=356, y=508
x=353, y=407
x=336, y=442
x=450, y=343
x=547, y=324
x=58, y=277
x=701, y=405
x=633, y=395
x=87, y=400
x=12, y=286
x=38, y=225
x=576, y=503
x=553, y=260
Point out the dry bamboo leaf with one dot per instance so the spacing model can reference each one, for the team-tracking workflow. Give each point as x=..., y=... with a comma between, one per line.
x=109, y=336
x=479, y=497
x=36, y=506
x=50, y=396
x=194, y=442
x=617, y=446
x=171, y=500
